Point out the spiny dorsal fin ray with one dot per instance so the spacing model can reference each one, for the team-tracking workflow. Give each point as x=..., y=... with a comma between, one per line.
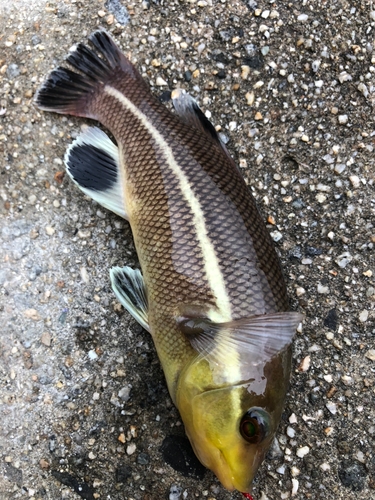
x=243, y=342
x=92, y=161
x=188, y=110
x=129, y=288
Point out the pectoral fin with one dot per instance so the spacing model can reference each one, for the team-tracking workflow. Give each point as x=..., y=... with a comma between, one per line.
x=130, y=290
x=244, y=341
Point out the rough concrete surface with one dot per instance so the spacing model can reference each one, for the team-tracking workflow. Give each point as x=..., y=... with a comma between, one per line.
x=83, y=402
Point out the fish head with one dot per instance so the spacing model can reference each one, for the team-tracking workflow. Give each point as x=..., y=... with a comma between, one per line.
x=231, y=428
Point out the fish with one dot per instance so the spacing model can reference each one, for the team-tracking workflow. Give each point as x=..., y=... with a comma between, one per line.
x=210, y=290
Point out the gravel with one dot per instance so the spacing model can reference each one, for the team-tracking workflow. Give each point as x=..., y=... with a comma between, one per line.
x=85, y=412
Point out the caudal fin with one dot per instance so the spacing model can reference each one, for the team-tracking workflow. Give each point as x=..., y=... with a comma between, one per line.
x=68, y=92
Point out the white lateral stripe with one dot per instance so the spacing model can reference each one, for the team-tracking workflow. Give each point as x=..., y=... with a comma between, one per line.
x=211, y=265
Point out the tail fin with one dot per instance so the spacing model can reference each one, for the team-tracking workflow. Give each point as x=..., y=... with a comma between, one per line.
x=68, y=92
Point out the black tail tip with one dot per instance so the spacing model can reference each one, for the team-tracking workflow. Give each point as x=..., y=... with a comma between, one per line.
x=68, y=92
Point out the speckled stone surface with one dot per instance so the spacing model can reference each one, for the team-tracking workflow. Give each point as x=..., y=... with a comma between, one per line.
x=83, y=402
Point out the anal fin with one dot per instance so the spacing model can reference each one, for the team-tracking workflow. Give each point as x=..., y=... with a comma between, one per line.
x=93, y=163
x=129, y=287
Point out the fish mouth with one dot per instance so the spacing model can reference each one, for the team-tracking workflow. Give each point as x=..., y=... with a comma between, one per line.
x=229, y=479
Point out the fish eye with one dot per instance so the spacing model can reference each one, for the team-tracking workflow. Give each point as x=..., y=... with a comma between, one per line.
x=255, y=425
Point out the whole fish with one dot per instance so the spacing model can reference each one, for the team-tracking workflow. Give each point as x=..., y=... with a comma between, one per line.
x=211, y=292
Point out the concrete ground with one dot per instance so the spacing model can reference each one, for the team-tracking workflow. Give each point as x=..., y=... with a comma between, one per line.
x=84, y=408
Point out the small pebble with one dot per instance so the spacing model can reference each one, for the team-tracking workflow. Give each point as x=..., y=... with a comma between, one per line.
x=360, y=456
x=293, y=418
x=295, y=485
x=343, y=119
x=321, y=198
x=305, y=364
x=245, y=72
x=332, y=407
x=295, y=471
x=344, y=259
x=84, y=274
x=32, y=314
x=258, y=84
x=160, y=82
x=347, y=380
x=325, y=467
x=84, y=234
x=363, y=317
x=43, y=464
x=250, y=98
x=281, y=469
x=354, y=179
x=344, y=77
x=175, y=492
x=124, y=393
x=302, y=452
x=291, y=432
x=130, y=449
x=276, y=236
x=46, y=339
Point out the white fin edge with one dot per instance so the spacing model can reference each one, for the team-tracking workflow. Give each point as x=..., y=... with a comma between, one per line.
x=100, y=180
x=130, y=290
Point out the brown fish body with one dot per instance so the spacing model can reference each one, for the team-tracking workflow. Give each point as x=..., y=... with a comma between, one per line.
x=163, y=226
x=209, y=267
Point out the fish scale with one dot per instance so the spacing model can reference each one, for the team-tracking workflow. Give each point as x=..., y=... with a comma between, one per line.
x=211, y=292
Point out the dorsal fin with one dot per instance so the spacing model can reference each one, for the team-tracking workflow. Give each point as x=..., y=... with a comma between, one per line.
x=188, y=110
